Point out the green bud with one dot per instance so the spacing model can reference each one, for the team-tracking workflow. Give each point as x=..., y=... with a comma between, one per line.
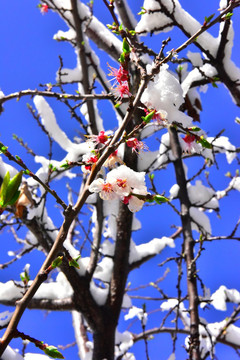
x=148, y=117
x=53, y=352
x=208, y=18
x=3, y=189
x=194, y=128
x=3, y=148
x=13, y=186
x=65, y=165
x=204, y=143
x=228, y=16
x=18, y=158
x=57, y=262
x=126, y=47
x=143, y=11
x=74, y=263
x=122, y=58
x=9, y=192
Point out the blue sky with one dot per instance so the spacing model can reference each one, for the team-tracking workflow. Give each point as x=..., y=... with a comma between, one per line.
x=29, y=56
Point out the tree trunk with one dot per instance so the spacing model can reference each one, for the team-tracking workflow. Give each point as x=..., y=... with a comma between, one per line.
x=104, y=341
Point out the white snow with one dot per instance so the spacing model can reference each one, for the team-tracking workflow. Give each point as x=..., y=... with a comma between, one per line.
x=10, y=354
x=5, y=317
x=200, y=221
x=174, y=191
x=201, y=195
x=152, y=247
x=235, y=183
x=138, y=312
x=164, y=93
x=99, y=293
x=58, y=289
x=223, y=145
x=196, y=75
x=222, y=296
x=124, y=341
x=195, y=58
x=103, y=270
x=4, y=168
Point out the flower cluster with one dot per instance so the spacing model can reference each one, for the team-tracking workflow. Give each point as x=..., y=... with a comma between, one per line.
x=123, y=183
x=120, y=86
x=89, y=159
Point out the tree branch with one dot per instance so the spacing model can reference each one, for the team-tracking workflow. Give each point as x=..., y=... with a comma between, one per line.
x=194, y=352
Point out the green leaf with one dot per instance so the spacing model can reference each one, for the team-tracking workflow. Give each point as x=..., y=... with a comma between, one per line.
x=13, y=186
x=14, y=198
x=3, y=190
x=53, y=352
x=159, y=199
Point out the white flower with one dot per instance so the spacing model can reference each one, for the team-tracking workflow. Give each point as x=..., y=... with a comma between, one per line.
x=133, y=202
x=135, y=180
x=121, y=187
x=104, y=189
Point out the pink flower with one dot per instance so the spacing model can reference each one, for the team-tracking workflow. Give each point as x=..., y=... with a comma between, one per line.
x=113, y=159
x=44, y=9
x=159, y=116
x=101, y=138
x=190, y=145
x=120, y=75
x=136, y=145
x=89, y=159
x=122, y=90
